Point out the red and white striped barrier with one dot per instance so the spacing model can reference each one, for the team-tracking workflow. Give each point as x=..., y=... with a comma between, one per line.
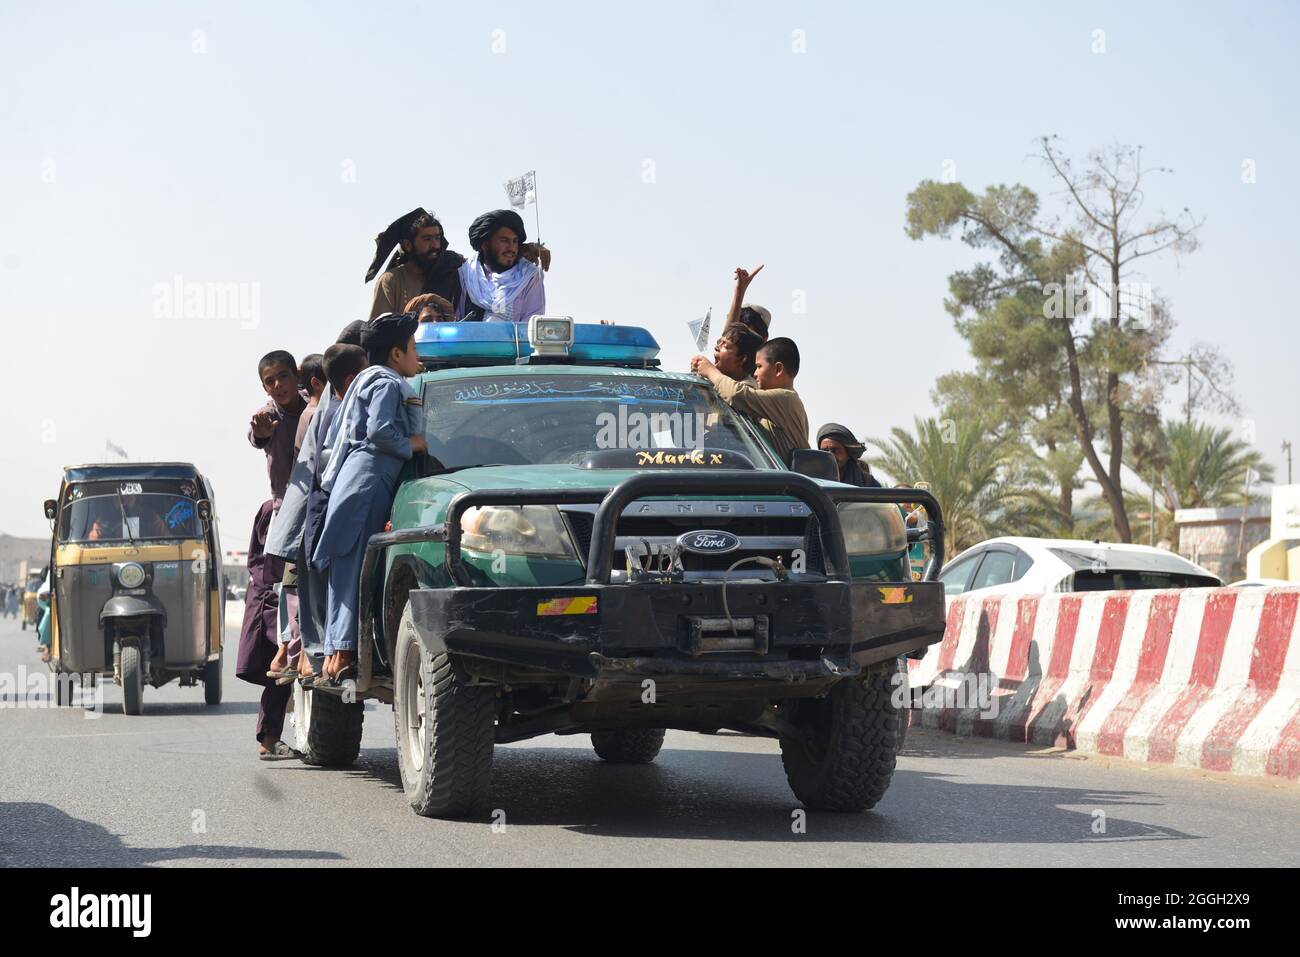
x=1205, y=678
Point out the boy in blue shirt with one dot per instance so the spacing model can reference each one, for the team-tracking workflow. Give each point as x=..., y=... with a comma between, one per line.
x=378, y=427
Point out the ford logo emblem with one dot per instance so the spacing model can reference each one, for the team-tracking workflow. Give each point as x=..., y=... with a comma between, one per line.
x=709, y=542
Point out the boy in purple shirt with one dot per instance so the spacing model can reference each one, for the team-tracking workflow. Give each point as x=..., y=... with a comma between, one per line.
x=271, y=430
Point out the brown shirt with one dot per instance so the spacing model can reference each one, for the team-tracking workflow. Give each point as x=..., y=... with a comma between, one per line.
x=279, y=445
x=395, y=288
x=780, y=413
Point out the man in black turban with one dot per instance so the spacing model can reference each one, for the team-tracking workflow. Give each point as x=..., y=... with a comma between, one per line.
x=844, y=445
x=499, y=285
x=351, y=334
x=424, y=263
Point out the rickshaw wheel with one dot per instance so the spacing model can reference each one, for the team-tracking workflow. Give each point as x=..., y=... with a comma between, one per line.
x=212, y=682
x=132, y=680
x=62, y=690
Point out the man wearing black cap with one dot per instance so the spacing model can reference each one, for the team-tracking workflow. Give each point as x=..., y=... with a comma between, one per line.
x=424, y=264
x=844, y=445
x=499, y=285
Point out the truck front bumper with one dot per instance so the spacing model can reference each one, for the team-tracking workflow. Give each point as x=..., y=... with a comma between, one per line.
x=785, y=631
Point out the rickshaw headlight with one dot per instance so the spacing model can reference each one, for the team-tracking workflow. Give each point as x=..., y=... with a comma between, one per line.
x=131, y=575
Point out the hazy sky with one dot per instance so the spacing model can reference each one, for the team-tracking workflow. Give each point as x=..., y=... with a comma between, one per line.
x=266, y=143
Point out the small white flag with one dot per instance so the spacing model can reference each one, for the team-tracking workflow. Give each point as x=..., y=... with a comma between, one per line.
x=1252, y=477
x=112, y=449
x=522, y=190
x=700, y=330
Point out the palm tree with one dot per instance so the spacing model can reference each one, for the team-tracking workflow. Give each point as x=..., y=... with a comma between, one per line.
x=1206, y=467
x=1200, y=467
x=987, y=486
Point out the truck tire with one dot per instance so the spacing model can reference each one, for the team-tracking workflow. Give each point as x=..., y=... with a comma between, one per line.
x=445, y=730
x=845, y=758
x=628, y=745
x=132, y=680
x=212, y=682
x=326, y=729
x=904, y=715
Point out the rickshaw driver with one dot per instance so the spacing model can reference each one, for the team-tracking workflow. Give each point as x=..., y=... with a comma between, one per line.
x=143, y=519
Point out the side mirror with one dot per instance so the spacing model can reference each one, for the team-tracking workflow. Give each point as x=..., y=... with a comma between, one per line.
x=51, y=508
x=815, y=463
x=205, y=510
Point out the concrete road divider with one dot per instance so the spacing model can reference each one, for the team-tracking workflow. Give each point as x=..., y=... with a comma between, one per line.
x=1204, y=678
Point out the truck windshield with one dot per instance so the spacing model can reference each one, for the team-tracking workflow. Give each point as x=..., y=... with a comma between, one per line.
x=123, y=518
x=558, y=419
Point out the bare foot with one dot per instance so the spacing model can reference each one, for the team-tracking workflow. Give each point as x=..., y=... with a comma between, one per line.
x=342, y=660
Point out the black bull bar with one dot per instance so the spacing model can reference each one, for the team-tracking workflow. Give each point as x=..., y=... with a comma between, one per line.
x=509, y=601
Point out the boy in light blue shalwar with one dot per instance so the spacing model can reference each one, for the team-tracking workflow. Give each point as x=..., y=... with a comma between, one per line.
x=376, y=430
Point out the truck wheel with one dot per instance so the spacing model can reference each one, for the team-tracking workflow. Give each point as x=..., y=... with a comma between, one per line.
x=628, y=745
x=845, y=758
x=445, y=730
x=904, y=716
x=326, y=729
x=212, y=682
x=132, y=680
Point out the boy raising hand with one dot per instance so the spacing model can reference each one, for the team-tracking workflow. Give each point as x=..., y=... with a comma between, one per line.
x=775, y=404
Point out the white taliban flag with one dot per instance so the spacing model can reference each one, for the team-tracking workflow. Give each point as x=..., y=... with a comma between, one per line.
x=522, y=190
x=700, y=330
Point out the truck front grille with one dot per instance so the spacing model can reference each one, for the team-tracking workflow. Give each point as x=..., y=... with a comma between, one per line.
x=766, y=535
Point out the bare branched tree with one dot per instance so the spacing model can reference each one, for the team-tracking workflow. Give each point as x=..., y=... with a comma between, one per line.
x=1106, y=200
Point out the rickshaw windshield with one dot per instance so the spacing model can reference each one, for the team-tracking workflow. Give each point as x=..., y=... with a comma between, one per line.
x=110, y=518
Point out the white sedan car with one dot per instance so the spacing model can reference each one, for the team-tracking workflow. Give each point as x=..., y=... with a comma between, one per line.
x=1037, y=565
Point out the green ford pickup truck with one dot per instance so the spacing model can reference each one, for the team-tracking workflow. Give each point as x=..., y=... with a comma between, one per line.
x=596, y=546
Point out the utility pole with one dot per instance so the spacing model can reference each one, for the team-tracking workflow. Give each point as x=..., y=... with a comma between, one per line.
x=1153, y=508
x=1286, y=450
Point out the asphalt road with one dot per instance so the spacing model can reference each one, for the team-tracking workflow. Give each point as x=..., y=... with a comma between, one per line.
x=181, y=786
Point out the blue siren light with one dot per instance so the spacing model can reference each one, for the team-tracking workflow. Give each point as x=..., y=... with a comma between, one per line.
x=477, y=342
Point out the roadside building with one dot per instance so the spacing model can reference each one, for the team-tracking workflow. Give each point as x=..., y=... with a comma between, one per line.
x=1219, y=539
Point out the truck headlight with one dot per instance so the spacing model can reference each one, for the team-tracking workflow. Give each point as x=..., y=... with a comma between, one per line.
x=871, y=529
x=532, y=531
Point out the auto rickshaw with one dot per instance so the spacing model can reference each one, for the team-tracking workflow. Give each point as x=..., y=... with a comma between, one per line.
x=136, y=582
x=31, y=612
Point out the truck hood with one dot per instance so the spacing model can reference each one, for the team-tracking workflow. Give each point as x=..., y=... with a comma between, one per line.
x=557, y=477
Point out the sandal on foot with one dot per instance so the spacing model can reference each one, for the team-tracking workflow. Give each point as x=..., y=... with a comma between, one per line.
x=281, y=752
x=335, y=684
